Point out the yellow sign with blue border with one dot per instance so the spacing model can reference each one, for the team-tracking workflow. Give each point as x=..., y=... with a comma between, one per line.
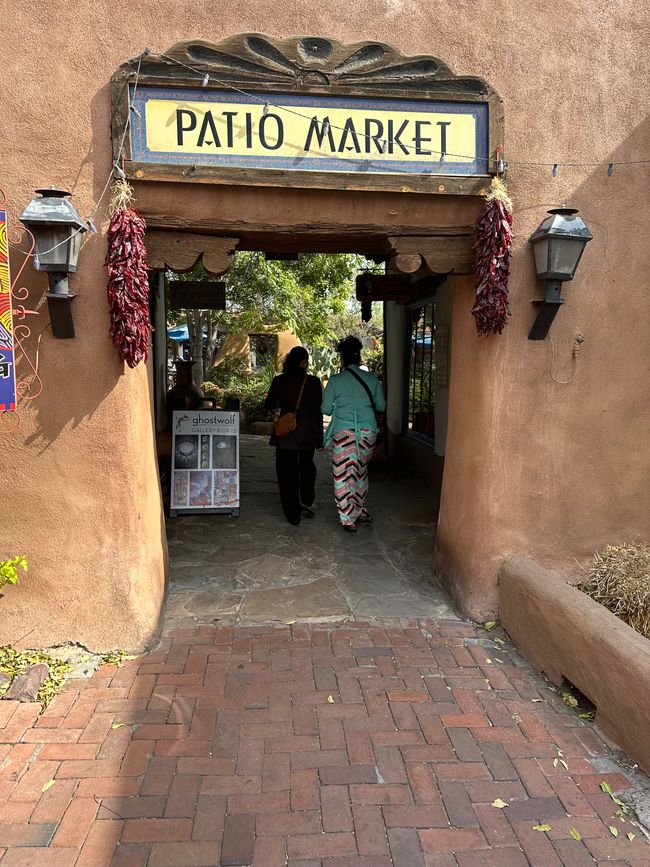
x=308, y=133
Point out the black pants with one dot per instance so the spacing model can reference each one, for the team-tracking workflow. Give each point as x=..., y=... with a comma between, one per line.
x=296, y=477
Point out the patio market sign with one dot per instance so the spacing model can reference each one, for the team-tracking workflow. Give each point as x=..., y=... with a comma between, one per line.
x=409, y=126
x=309, y=133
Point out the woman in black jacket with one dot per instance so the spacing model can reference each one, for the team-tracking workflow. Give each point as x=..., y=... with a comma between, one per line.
x=294, y=453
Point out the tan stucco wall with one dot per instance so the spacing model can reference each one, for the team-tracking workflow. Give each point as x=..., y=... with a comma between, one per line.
x=531, y=466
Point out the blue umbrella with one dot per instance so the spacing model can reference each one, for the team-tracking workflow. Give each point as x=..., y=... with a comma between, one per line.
x=180, y=334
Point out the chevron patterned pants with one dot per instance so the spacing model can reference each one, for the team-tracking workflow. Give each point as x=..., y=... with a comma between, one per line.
x=350, y=466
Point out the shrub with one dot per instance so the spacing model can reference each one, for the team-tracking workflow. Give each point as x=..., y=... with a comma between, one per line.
x=374, y=359
x=9, y=570
x=210, y=389
x=620, y=580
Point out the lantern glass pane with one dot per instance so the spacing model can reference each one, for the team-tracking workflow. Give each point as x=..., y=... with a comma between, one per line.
x=564, y=255
x=75, y=247
x=541, y=256
x=48, y=248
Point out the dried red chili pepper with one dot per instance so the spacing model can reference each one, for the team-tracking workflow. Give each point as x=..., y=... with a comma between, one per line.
x=128, y=286
x=493, y=244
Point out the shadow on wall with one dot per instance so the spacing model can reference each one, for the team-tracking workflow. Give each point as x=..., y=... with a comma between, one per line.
x=599, y=403
x=63, y=360
x=560, y=454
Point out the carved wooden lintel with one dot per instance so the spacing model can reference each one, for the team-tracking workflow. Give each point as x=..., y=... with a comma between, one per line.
x=179, y=252
x=432, y=254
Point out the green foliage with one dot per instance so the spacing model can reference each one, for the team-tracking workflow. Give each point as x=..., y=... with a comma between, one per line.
x=9, y=570
x=269, y=295
x=252, y=392
x=324, y=362
x=300, y=295
x=15, y=662
x=115, y=657
x=233, y=381
x=230, y=373
x=209, y=389
x=374, y=360
x=349, y=322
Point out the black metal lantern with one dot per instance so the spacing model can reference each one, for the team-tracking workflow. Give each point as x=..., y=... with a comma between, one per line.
x=559, y=243
x=57, y=228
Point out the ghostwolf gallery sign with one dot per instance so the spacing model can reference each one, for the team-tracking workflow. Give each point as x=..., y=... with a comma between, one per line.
x=205, y=462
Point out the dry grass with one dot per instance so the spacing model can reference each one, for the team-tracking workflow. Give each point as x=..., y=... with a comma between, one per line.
x=620, y=580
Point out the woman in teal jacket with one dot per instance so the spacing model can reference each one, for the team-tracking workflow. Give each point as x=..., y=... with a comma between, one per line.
x=352, y=397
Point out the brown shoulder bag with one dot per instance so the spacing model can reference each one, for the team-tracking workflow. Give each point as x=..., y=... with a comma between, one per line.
x=288, y=422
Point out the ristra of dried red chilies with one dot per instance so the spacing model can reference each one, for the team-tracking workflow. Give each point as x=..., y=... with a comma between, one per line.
x=493, y=243
x=128, y=286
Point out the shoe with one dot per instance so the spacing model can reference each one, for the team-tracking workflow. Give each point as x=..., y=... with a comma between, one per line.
x=306, y=512
x=365, y=518
x=349, y=528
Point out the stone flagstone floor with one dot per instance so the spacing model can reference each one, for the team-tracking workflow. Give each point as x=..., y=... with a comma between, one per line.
x=258, y=568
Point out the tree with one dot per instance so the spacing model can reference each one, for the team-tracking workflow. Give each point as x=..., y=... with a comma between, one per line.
x=304, y=295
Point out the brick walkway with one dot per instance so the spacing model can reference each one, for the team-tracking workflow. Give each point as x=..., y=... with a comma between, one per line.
x=325, y=745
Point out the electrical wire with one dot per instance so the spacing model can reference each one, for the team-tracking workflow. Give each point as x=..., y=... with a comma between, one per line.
x=388, y=141
x=498, y=160
x=99, y=201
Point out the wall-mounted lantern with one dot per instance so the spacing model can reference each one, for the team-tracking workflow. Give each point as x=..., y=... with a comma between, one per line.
x=559, y=243
x=57, y=228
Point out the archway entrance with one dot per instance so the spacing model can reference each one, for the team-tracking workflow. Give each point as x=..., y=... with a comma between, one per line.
x=214, y=176
x=255, y=567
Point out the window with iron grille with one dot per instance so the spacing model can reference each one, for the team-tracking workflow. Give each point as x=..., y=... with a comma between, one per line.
x=420, y=368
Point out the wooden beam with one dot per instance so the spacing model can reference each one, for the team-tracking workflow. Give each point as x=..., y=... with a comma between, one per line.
x=180, y=251
x=434, y=255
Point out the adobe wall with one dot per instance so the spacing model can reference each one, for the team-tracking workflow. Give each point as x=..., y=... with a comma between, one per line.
x=531, y=466
x=577, y=639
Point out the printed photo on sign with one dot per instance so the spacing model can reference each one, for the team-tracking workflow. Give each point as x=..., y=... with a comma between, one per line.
x=225, y=489
x=205, y=452
x=186, y=454
x=200, y=488
x=180, y=489
x=224, y=452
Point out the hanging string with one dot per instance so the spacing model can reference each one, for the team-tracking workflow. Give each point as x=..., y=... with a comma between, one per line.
x=89, y=222
x=497, y=160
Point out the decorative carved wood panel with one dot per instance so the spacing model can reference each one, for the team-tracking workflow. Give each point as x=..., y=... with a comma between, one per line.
x=179, y=252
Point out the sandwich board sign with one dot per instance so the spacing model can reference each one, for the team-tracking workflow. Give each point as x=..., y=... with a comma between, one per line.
x=205, y=462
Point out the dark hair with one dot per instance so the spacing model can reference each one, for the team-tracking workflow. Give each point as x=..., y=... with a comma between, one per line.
x=350, y=350
x=294, y=359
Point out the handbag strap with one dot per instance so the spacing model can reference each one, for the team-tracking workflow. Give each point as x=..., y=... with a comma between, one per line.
x=364, y=384
x=302, y=388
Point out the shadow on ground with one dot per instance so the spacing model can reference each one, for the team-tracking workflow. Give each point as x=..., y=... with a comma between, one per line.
x=257, y=568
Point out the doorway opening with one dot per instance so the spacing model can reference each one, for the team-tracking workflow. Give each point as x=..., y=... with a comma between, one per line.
x=255, y=567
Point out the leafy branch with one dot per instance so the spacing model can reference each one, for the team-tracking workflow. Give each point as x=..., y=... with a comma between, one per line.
x=9, y=570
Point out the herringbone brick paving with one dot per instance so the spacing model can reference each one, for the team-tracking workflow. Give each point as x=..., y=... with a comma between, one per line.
x=347, y=745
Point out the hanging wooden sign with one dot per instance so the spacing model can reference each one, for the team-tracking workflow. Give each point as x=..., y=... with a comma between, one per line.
x=384, y=287
x=197, y=295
